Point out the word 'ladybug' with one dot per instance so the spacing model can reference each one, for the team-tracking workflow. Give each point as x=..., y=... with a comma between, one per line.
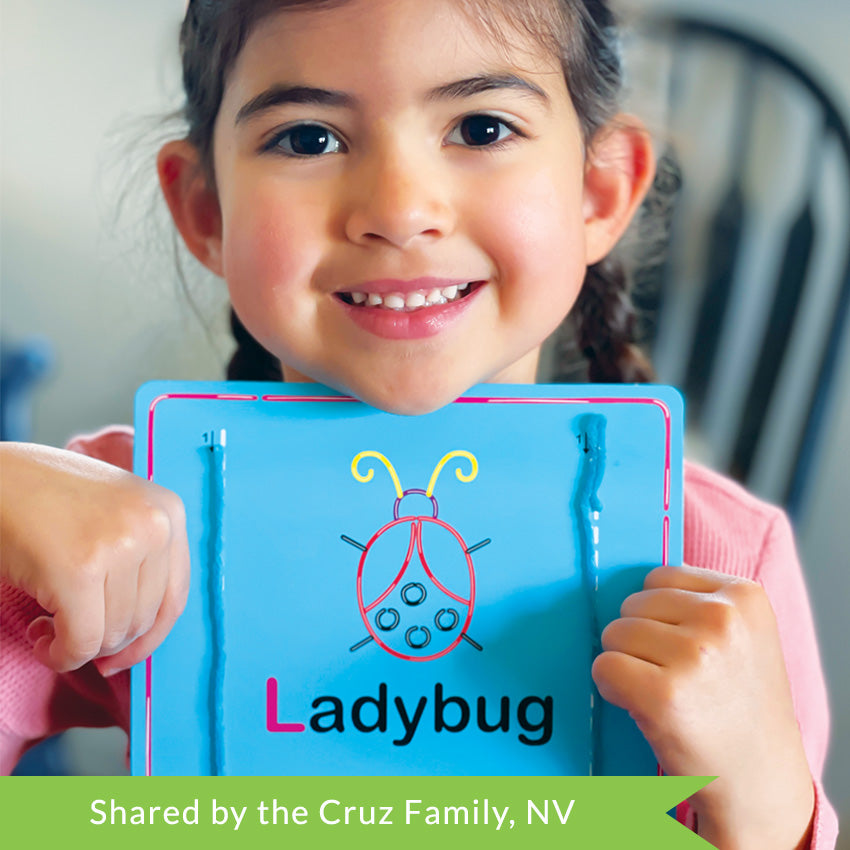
x=416, y=606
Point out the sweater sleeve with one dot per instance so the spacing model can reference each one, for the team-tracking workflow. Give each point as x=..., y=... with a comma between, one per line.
x=729, y=530
x=780, y=574
x=36, y=702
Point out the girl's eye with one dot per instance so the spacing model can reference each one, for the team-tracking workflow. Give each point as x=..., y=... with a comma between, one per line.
x=480, y=131
x=306, y=140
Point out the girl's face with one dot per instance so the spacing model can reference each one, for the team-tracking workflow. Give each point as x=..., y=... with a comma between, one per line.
x=388, y=150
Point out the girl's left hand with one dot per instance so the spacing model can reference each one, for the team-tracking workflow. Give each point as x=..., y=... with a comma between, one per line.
x=695, y=659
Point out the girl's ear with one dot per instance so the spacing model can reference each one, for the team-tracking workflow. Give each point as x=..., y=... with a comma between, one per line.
x=193, y=203
x=618, y=172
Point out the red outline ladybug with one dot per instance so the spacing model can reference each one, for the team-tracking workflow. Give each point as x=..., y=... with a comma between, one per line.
x=381, y=615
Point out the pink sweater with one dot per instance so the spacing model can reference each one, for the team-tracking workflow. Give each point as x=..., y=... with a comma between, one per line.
x=726, y=529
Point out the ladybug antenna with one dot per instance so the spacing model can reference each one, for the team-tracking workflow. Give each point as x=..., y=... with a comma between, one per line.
x=460, y=476
x=371, y=472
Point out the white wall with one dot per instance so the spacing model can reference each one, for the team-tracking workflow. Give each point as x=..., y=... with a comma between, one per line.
x=72, y=69
x=76, y=77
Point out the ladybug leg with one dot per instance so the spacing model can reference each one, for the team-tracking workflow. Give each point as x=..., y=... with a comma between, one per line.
x=362, y=548
x=477, y=546
x=360, y=644
x=472, y=643
x=353, y=543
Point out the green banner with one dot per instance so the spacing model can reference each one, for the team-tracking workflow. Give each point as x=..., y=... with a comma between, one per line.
x=373, y=812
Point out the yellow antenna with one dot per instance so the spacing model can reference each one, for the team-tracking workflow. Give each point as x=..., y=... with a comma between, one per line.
x=461, y=477
x=371, y=472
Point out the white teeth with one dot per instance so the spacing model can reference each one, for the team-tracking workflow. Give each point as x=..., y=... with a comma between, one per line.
x=394, y=302
x=411, y=301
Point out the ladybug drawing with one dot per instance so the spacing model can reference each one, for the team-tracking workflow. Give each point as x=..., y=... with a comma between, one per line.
x=415, y=578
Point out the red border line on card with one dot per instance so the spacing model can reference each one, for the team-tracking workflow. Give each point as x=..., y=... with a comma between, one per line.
x=665, y=410
x=149, y=660
x=189, y=396
x=308, y=398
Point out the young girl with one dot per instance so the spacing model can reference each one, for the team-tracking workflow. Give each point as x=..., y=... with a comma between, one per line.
x=405, y=199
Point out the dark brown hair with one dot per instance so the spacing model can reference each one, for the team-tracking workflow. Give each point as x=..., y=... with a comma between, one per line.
x=582, y=33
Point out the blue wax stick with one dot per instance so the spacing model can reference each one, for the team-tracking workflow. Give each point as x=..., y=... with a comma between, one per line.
x=591, y=445
x=216, y=602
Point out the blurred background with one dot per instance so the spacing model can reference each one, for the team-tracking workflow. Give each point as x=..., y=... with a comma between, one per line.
x=749, y=104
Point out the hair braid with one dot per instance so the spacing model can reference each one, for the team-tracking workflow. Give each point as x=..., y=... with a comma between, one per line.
x=250, y=361
x=605, y=326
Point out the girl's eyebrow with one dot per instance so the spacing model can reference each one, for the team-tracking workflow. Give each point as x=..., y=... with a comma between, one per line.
x=279, y=95
x=488, y=82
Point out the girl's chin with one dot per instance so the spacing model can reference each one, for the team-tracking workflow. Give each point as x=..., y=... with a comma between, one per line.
x=411, y=399
x=414, y=390
x=418, y=397
x=408, y=403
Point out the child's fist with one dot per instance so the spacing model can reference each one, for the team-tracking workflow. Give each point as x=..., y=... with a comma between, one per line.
x=103, y=551
x=695, y=659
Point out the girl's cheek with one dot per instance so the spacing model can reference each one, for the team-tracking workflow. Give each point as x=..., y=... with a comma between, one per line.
x=536, y=229
x=266, y=256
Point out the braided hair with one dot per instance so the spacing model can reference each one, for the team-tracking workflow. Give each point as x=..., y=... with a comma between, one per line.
x=584, y=35
x=603, y=321
x=250, y=361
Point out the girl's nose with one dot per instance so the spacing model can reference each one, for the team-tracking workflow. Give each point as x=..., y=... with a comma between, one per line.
x=398, y=200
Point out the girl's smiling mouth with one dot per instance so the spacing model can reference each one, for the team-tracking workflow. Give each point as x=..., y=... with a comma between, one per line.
x=409, y=295
x=396, y=309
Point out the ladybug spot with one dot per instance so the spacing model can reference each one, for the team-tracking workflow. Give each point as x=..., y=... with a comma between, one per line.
x=387, y=625
x=413, y=594
x=423, y=642
x=446, y=625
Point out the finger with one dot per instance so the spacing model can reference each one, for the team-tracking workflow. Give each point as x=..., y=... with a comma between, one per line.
x=648, y=640
x=119, y=606
x=173, y=603
x=78, y=632
x=163, y=589
x=694, y=579
x=628, y=682
x=152, y=587
x=666, y=605
x=152, y=584
x=143, y=646
x=40, y=627
x=41, y=649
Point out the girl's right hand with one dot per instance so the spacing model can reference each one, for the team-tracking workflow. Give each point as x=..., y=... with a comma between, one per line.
x=103, y=551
